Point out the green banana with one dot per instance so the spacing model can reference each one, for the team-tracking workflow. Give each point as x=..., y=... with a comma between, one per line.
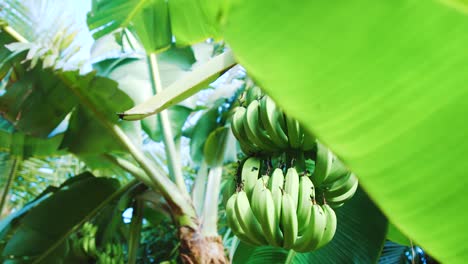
x=252, y=94
x=101, y=259
x=237, y=127
x=295, y=134
x=92, y=251
x=335, y=205
x=288, y=221
x=253, y=131
x=268, y=116
x=247, y=219
x=265, y=180
x=233, y=223
x=306, y=194
x=276, y=184
x=263, y=208
x=323, y=164
x=291, y=185
x=85, y=244
x=255, y=200
x=281, y=126
x=237, y=122
x=311, y=237
x=337, y=171
x=342, y=186
x=330, y=227
x=337, y=183
x=249, y=174
x=108, y=259
x=343, y=197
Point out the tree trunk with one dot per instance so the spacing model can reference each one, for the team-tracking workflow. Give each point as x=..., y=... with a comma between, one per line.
x=198, y=249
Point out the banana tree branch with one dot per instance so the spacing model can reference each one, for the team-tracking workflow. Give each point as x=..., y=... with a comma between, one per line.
x=213, y=188
x=199, y=188
x=130, y=168
x=175, y=168
x=180, y=203
x=210, y=208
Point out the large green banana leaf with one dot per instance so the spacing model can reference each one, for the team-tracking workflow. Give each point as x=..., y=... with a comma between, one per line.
x=37, y=89
x=359, y=238
x=55, y=216
x=37, y=100
x=384, y=84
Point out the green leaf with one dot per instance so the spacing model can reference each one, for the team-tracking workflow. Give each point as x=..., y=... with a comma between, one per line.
x=55, y=216
x=7, y=57
x=8, y=222
x=18, y=143
x=41, y=98
x=461, y=5
x=359, y=238
x=153, y=27
x=190, y=21
x=97, y=93
x=200, y=132
x=396, y=236
x=154, y=217
x=37, y=89
x=177, y=114
x=386, y=91
x=108, y=222
x=190, y=84
x=107, y=16
x=85, y=135
x=132, y=74
x=194, y=21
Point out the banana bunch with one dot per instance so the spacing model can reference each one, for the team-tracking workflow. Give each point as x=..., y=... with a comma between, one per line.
x=289, y=207
x=279, y=210
x=85, y=244
x=112, y=254
x=262, y=127
x=85, y=247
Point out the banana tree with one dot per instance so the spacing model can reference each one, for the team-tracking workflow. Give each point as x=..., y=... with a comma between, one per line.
x=92, y=111
x=390, y=101
x=325, y=108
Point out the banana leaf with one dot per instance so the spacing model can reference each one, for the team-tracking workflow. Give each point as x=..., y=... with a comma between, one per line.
x=56, y=215
x=383, y=84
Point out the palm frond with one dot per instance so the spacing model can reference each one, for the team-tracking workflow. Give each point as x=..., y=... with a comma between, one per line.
x=34, y=175
x=49, y=29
